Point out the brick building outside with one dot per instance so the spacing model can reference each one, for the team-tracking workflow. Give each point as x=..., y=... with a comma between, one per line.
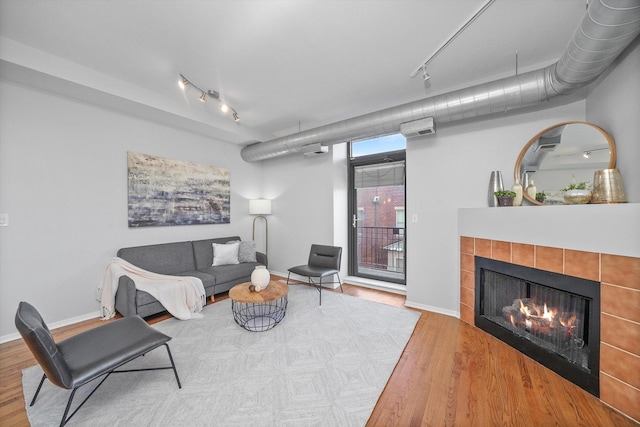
x=381, y=225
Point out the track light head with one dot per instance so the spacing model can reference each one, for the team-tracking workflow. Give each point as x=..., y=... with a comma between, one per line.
x=203, y=97
x=425, y=75
x=236, y=117
x=224, y=107
x=183, y=82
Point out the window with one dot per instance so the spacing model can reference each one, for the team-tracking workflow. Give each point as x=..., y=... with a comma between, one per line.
x=383, y=144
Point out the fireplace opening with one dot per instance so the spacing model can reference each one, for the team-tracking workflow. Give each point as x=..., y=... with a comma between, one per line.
x=552, y=318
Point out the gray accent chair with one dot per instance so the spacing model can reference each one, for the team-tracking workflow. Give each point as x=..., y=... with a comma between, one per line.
x=324, y=261
x=92, y=354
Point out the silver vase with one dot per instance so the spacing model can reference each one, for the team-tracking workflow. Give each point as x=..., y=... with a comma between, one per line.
x=495, y=184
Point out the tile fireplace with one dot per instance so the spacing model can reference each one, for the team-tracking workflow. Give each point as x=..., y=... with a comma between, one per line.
x=619, y=290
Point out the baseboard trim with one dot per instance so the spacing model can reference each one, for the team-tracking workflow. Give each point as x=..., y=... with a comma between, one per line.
x=433, y=309
x=55, y=325
x=379, y=285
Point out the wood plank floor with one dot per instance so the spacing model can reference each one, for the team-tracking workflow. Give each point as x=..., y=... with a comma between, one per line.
x=450, y=374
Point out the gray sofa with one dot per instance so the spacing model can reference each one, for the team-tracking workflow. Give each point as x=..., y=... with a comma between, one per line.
x=191, y=258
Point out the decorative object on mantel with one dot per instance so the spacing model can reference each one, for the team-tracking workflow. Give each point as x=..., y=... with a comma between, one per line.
x=541, y=197
x=556, y=153
x=505, y=197
x=260, y=277
x=531, y=190
x=608, y=187
x=495, y=184
x=517, y=188
x=260, y=208
x=577, y=193
x=173, y=192
x=184, y=83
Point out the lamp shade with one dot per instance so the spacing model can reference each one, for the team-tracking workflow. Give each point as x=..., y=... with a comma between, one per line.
x=260, y=207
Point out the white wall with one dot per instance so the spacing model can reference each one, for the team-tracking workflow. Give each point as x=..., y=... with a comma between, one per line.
x=614, y=104
x=450, y=170
x=63, y=182
x=302, y=208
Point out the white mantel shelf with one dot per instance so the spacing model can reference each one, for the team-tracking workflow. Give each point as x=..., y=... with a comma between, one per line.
x=611, y=229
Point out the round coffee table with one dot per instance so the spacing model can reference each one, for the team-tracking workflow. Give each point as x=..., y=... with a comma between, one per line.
x=259, y=311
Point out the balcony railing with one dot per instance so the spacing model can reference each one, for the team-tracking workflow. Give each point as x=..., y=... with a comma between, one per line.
x=381, y=249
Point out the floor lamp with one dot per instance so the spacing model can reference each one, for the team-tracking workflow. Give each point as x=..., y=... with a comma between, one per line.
x=260, y=208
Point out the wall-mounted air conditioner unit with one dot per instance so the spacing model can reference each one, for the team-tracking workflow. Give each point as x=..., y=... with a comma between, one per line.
x=418, y=127
x=315, y=149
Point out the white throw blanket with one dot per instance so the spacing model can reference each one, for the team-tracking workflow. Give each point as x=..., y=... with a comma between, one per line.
x=182, y=296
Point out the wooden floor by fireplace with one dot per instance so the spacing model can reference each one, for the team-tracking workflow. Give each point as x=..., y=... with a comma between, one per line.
x=450, y=374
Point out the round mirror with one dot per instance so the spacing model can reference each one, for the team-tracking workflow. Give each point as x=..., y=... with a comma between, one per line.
x=563, y=154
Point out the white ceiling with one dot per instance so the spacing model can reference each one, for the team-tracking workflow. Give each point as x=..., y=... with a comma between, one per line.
x=285, y=64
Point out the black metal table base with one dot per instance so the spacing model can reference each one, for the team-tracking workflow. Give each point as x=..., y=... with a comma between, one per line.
x=259, y=317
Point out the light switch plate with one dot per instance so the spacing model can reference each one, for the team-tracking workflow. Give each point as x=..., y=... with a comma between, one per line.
x=4, y=220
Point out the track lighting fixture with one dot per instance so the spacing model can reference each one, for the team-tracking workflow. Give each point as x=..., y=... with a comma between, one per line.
x=586, y=154
x=423, y=66
x=183, y=83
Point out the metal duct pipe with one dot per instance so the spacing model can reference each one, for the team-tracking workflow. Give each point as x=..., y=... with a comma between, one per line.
x=607, y=28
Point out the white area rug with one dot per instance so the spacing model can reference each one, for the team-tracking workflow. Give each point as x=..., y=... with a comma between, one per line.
x=322, y=366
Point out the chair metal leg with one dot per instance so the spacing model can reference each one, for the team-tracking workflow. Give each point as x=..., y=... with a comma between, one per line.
x=64, y=417
x=173, y=365
x=340, y=282
x=66, y=410
x=288, y=275
x=44, y=376
x=320, y=289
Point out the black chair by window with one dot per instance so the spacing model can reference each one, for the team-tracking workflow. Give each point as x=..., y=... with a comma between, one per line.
x=92, y=354
x=324, y=261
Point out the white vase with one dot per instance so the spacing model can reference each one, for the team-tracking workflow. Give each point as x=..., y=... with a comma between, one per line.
x=531, y=190
x=517, y=188
x=260, y=276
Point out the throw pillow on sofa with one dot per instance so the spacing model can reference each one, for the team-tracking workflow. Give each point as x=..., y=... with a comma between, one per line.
x=246, y=251
x=225, y=253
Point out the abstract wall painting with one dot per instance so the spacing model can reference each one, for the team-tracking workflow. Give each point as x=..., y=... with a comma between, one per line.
x=173, y=192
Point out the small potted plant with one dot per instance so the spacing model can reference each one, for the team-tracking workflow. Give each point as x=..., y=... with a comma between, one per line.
x=505, y=197
x=541, y=197
x=577, y=193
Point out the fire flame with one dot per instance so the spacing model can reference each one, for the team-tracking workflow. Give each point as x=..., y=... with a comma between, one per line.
x=568, y=322
x=549, y=315
x=545, y=313
x=540, y=318
x=524, y=309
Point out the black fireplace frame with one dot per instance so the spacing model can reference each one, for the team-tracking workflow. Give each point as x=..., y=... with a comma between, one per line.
x=589, y=380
